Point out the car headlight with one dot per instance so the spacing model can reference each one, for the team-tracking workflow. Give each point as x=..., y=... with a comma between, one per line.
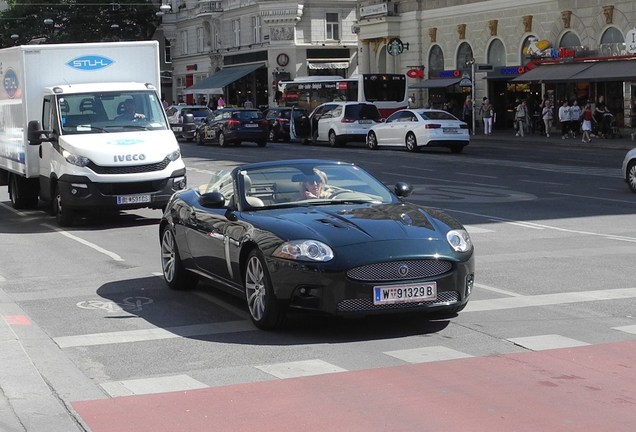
x=73, y=159
x=174, y=155
x=459, y=240
x=304, y=250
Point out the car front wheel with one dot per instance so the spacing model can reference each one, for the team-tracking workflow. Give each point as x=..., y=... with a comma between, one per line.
x=411, y=142
x=266, y=311
x=175, y=275
x=631, y=175
x=333, y=139
x=372, y=141
x=222, y=141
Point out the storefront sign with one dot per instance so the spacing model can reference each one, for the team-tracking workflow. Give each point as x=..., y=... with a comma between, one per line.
x=395, y=47
x=415, y=73
x=630, y=41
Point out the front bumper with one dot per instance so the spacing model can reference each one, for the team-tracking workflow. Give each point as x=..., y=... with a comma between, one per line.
x=80, y=193
x=309, y=287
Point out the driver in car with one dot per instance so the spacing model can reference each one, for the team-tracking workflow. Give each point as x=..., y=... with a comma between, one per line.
x=129, y=113
x=316, y=186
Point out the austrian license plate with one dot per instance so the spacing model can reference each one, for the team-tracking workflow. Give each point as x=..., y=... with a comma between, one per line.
x=133, y=199
x=251, y=125
x=177, y=128
x=364, y=121
x=450, y=130
x=413, y=293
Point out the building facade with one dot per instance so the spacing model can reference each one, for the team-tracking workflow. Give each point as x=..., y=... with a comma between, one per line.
x=242, y=48
x=496, y=49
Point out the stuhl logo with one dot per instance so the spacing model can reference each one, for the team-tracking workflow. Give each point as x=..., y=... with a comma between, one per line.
x=90, y=63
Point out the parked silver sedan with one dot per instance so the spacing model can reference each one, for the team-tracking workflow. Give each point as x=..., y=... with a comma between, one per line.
x=416, y=128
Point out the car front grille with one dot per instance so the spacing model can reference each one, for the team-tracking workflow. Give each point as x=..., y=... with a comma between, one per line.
x=366, y=304
x=133, y=169
x=400, y=270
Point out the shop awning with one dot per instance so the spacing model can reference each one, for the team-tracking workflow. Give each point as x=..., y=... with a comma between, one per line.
x=553, y=72
x=214, y=84
x=314, y=65
x=611, y=70
x=435, y=83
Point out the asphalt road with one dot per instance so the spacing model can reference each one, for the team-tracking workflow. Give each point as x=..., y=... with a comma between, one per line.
x=91, y=339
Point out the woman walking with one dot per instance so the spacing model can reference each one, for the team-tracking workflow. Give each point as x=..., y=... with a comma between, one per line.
x=564, y=119
x=587, y=117
x=521, y=116
x=546, y=115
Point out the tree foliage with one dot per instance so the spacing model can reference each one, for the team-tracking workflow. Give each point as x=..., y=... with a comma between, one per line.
x=77, y=21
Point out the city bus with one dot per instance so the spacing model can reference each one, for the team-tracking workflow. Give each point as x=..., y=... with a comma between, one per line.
x=387, y=91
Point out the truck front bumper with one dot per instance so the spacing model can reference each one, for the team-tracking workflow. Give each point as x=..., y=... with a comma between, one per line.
x=80, y=193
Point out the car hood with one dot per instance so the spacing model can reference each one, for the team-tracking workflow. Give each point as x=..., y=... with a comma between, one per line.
x=339, y=225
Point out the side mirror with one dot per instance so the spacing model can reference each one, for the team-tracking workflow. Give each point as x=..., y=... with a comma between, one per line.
x=188, y=118
x=403, y=189
x=212, y=200
x=34, y=133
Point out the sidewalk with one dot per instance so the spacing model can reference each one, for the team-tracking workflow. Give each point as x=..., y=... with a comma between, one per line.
x=508, y=136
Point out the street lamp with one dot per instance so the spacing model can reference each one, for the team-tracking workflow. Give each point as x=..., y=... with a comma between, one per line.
x=471, y=62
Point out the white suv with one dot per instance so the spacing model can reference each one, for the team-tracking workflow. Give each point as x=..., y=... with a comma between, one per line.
x=340, y=122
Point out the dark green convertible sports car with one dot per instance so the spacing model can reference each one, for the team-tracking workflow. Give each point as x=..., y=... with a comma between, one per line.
x=316, y=235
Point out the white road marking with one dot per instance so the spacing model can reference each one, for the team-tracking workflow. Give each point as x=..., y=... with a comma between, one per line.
x=152, y=334
x=427, y=354
x=99, y=249
x=549, y=299
x=593, y=197
x=300, y=368
x=497, y=290
x=543, y=182
x=156, y=385
x=19, y=213
x=627, y=329
x=475, y=175
x=476, y=230
x=546, y=342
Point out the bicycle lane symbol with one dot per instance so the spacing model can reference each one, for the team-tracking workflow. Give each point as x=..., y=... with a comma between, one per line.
x=128, y=304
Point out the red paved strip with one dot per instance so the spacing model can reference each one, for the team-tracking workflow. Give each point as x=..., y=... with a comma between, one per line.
x=17, y=320
x=590, y=388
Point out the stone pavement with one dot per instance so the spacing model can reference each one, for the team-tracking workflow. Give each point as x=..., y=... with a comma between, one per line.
x=508, y=136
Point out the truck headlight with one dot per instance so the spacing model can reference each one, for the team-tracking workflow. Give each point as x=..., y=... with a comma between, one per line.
x=174, y=155
x=73, y=159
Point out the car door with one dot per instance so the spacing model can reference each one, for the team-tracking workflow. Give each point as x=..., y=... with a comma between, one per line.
x=386, y=134
x=330, y=115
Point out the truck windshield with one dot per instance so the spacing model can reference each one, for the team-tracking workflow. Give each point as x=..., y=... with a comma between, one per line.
x=110, y=112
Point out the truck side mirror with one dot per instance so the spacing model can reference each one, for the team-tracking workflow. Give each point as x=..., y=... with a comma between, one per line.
x=34, y=133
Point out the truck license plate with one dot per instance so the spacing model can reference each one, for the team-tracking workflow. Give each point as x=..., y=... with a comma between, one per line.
x=411, y=293
x=133, y=199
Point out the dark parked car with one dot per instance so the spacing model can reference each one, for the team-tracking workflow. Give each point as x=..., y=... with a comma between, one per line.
x=316, y=235
x=182, y=128
x=279, y=121
x=233, y=126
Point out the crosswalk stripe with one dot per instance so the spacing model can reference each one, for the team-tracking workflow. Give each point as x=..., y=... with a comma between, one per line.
x=546, y=342
x=427, y=354
x=155, y=385
x=300, y=368
x=627, y=329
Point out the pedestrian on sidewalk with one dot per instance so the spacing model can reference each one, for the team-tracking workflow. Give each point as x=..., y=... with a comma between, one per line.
x=467, y=113
x=575, y=119
x=488, y=116
x=521, y=118
x=564, y=119
x=546, y=115
x=587, y=117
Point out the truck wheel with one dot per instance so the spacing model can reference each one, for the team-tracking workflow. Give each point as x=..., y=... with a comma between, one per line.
x=63, y=215
x=22, y=192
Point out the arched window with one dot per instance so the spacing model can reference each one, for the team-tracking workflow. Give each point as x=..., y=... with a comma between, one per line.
x=496, y=53
x=435, y=61
x=612, y=43
x=569, y=40
x=464, y=57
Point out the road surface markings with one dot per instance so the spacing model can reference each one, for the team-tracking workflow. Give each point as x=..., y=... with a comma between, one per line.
x=627, y=329
x=546, y=342
x=301, y=368
x=152, y=334
x=152, y=385
x=475, y=175
x=19, y=213
x=497, y=290
x=593, y=198
x=549, y=299
x=99, y=249
x=427, y=354
x=476, y=230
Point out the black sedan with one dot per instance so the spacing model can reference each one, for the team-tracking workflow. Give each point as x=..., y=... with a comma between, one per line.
x=278, y=119
x=233, y=126
x=316, y=235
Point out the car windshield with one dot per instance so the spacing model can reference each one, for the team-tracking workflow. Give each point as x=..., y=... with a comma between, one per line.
x=247, y=115
x=302, y=184
x=110, y=112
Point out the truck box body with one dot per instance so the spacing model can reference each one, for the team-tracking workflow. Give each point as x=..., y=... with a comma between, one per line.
x=92, y=155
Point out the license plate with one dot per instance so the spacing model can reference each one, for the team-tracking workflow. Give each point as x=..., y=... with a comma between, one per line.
x=176, y=128
x=450, y=130
x=251, y=125
x=133, y=199
x=391, y=294
x=365, y=121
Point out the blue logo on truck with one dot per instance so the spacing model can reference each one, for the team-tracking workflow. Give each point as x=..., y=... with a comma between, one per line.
x=11, y=83
x=90, y=63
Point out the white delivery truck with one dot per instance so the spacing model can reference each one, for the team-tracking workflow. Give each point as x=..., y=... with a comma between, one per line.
x=82, y=128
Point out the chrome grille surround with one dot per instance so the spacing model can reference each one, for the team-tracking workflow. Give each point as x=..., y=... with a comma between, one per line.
x=132, y=169
x=366, y=304
x=390, y=271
